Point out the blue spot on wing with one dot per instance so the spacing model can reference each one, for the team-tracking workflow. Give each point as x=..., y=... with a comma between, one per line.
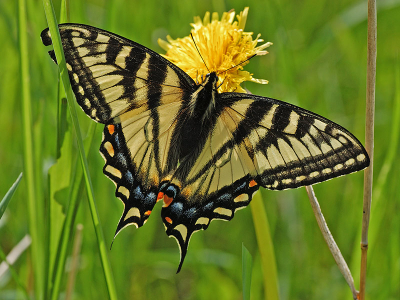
x=176, y=208
x=121, y=159
x=116, y=140
x=129, y=177
x=137, y=193
x=240, y=187
x=224, y=198
x=191, y=212
x=209, y=206
x=150, y=198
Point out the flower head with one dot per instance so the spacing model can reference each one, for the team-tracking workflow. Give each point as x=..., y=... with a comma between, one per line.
x=223, y=45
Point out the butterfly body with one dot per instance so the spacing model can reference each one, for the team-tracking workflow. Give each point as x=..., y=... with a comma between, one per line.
x=196, y=118
x=202, y=153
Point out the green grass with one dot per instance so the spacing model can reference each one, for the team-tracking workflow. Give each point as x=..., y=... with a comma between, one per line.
x=247, y=266
x=318, y=61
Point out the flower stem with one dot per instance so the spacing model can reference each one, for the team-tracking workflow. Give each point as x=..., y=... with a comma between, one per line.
x=266, y=247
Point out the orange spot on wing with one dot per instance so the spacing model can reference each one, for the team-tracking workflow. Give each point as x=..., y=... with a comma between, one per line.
x=147, y=213
x=252, y=183
x=168, y=220
x=167, y=201
x=111, y=129
x=160, y=196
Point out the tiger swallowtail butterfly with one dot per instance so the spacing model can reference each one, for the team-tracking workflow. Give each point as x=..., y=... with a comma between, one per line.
x=202, y=152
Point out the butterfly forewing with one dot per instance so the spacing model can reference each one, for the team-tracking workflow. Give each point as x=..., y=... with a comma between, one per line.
x=111, y=75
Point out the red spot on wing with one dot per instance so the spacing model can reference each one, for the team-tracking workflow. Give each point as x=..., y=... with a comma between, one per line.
x=168, y=220
x=167, y=201
x=111, y=129
x=147, y=213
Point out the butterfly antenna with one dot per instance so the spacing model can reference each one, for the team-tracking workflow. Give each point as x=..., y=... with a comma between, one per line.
x=238, y=64
x=221, y=83
x=198, y=51
x=232, y=68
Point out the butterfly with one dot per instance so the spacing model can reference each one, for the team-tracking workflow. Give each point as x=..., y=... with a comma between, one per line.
x=202, y=153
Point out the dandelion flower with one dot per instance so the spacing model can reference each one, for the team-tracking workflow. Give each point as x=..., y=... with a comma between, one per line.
x=224, y=46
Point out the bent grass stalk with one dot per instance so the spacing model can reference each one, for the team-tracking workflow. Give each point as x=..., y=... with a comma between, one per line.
x=7, y=197
x=52, y=22
x=16, y=253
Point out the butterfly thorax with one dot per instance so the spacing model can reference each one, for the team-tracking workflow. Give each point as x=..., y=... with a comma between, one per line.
x=202, y=101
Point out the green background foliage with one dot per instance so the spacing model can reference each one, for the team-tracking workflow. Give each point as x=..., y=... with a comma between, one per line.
x=318, y=61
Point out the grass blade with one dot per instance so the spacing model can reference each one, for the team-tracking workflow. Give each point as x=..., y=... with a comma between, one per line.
x=247, y=266
x=7, y=197
x=35, y=228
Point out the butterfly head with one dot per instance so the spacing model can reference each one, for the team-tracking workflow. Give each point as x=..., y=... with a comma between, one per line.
x=211, y=79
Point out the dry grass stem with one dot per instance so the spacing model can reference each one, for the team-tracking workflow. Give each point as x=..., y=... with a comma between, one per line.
x=369, y=139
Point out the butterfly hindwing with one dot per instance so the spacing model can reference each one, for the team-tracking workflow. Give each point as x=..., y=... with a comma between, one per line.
x=135, y=154
x=138, y=199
